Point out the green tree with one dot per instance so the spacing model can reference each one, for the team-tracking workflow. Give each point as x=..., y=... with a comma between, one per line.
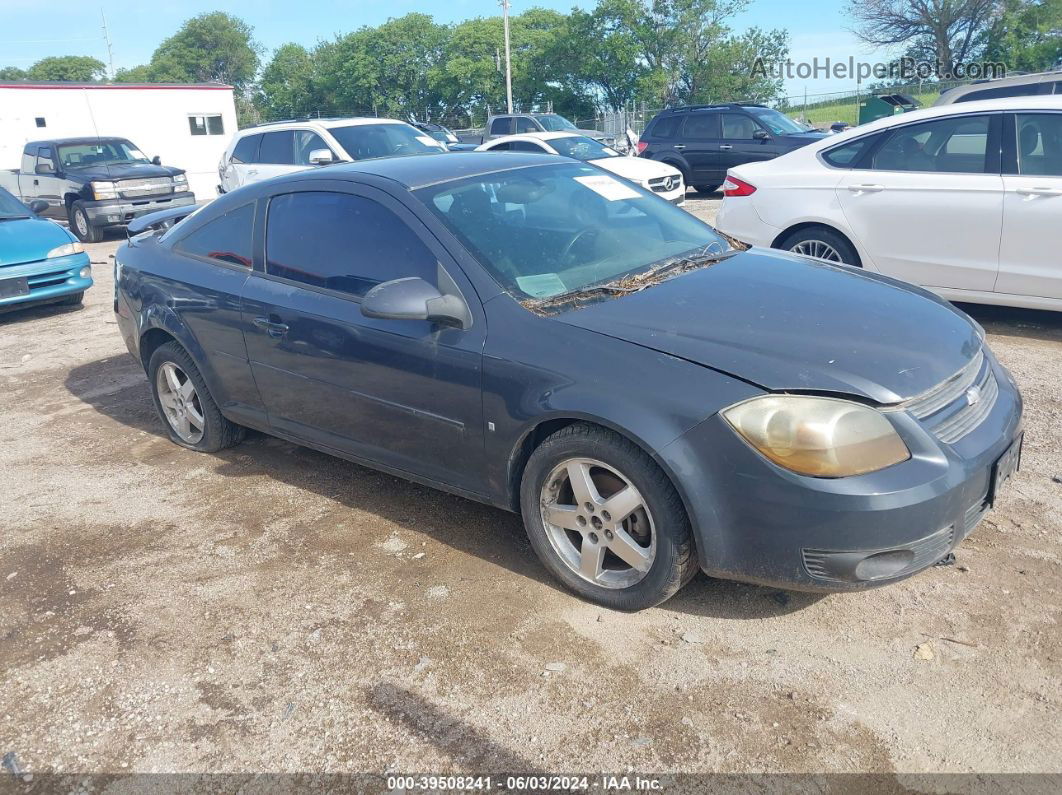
x=290, y=84
x=210, y=47
x=1027, y=35
x=67, y=68
x=137, y=74
x=12, y=73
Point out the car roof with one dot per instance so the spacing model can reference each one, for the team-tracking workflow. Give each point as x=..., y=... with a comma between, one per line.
x=418, y=171
x=1012, y=80
x=1047, y=102
x=81, y=139
x=326, y=123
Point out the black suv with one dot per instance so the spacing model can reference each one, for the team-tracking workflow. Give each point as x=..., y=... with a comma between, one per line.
x=703, y=141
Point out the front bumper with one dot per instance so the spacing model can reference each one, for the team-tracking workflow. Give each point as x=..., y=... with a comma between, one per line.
x=757, y=522
x=48, y=279
x=110, y=212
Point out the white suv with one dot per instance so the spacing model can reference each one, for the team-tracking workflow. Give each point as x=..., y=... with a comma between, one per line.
x=270, y=150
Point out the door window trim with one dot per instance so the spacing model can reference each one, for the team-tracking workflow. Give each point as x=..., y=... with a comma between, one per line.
x=993, y=148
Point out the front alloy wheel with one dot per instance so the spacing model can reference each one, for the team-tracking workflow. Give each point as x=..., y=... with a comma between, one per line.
x=605, y=519
x=598, y=523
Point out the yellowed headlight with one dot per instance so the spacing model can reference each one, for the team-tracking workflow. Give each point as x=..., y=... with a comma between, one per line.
x=824, y=437
x=65, y=250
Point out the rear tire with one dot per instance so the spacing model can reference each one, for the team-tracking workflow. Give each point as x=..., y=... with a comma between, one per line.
x=705, y=190
x=635, y=556
x=821, y=242
x=184, y=402
x=81, y=226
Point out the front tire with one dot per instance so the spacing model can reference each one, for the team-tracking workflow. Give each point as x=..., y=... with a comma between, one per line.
x=605, y=520
x=822, y=243
x=82, y=227
x=184, y=403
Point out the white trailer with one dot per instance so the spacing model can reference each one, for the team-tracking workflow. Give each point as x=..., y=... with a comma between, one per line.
x=187, y=125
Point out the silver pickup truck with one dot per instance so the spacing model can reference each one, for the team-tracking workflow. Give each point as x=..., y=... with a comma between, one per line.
x=94, y=183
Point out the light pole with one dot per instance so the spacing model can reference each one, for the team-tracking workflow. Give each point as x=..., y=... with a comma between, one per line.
x=508, y=62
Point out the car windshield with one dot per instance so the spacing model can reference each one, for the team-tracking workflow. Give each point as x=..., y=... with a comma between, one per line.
x=443, y=135
x=548, y=231
x=366, y=141
x=582, y=148
x=554, y=123
x=99, y=153
x=776, y=122
x=10, y=207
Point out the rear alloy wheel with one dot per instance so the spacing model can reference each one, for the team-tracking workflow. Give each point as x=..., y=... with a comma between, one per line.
x=184, y=403
x=605, y=520
x=822, y=243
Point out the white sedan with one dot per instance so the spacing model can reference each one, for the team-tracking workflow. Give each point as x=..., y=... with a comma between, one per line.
x=963, y=199
x=660, y=178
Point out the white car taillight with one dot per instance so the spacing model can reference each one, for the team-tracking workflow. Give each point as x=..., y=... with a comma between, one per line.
x=737, y=187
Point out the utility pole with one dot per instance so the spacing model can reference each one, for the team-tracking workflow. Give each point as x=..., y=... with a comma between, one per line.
x=107, y=38
x=508, y=62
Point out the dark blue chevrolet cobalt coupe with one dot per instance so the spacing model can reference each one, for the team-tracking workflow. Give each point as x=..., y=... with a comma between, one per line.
x=539, y=335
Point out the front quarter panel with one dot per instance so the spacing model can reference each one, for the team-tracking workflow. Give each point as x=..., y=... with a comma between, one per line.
x=541, y=370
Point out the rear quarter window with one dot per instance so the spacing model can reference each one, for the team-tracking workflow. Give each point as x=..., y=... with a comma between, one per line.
x=226, y=239
x=848, y=155
x=663, y=127
x=246, y=150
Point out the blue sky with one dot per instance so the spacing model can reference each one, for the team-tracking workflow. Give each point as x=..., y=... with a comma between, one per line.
x=137, y=28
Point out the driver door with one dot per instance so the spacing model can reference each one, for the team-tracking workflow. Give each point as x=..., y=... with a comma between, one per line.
x=403, y=393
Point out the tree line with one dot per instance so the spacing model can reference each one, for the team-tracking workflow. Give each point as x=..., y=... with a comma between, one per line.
x=652, y=52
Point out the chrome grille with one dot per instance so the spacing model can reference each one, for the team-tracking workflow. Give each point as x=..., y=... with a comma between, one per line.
x=153, y=186
x=953, y=408
x=664, y=184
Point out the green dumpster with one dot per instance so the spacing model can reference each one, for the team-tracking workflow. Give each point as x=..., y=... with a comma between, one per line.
x=878, y=107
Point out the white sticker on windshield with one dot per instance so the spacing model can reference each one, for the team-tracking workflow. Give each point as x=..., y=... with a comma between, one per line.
x=609, y=187
x=541, y=285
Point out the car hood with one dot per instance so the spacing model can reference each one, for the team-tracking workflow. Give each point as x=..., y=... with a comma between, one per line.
x=804, y=138
x=635, y=168
x=788, y=323
x=597, y=135
x=29, y=239
x=124, y=171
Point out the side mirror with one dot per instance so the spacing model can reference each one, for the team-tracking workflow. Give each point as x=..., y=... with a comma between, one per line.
x=413, y=298
x=321, y=157
x=43, y=168
x=156, y=160
x=761, y=135
x=38, y=206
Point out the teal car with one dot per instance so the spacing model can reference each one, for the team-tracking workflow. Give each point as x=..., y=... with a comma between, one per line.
x=40, y=262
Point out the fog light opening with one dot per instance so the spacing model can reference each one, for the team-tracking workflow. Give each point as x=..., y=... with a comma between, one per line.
x=884, y=564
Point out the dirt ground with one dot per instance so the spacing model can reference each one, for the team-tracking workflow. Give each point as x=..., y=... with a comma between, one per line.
x=270, y=608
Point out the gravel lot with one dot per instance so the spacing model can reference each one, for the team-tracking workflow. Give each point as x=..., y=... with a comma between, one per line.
x=271, y=608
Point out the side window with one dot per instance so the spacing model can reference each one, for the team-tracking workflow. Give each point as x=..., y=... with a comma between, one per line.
x=664, y=127
x=45, y=163
x=847, y=155
x=527, y=146
x=738, y=126
x=502, y=147
x=307, y=141
x=701, y=126
x=953, y=145
x=1039, y=137
x=525, y=125
x=1027, y=90
x=225, y=239
x=342, y=242
x=206, y=125
x=501, y=126
x=246, y=150
x=276, y=148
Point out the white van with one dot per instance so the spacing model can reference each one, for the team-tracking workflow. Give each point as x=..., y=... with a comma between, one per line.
x=269, y=150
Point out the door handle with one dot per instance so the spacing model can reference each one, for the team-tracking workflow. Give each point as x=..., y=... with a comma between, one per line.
x=272, y=328
x=252, y=172
x=866, y=188
x=1040, y=191
x=36, y=182
x=679, y=146
x=726, y=147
